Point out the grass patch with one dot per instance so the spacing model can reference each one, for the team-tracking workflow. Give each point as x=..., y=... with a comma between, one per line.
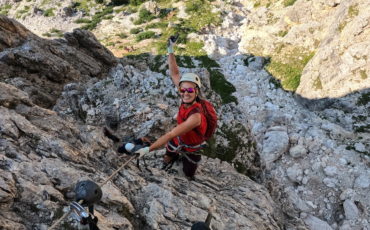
x=359, y=118
x=275, y=82
x=317, y=84
x=221, y=86
x=282, y=33
x=82, y=20
x=363, y=99
x=288, y=2
x=185, y=61
x=44, y=2
x=53, y=33
x=207, y=62
x=157, y=25
x=144, y=16
x=136, y=30
x=353, y=11
x=363, y=74
x=122, y=35
x=120, y=2
x=97, y=18
x=85, y=5
x=47, y=34
x=19, y=13
x=158, y=62
x=289, y=69
x=137, y=2
x=342, y=25
x=49, y=12
x=235, y=144
x=145, y=35
x=4, y=10
x=201, y=10
x=164, y=12
x=56, y=32
x=194, y=49
x=362, y=129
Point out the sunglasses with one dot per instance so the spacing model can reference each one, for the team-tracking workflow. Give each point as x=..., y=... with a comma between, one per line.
x=189, y=90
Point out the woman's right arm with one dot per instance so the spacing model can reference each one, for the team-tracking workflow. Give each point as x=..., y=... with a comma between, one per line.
x=174, y=69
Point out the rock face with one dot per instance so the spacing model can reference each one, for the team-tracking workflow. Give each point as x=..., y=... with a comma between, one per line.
x=45, y=152
x=312, y=155
x=336, y=32
x=313, y=150
x=342, y=60
x=36, y=65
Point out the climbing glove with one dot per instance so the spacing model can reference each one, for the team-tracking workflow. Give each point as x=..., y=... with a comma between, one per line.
x=141, y=152
x=171, y=42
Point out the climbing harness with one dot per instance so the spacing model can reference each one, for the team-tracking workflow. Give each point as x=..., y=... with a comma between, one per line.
x=179, y=150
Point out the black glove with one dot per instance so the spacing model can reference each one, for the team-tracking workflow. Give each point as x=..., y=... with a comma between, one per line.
x=171, y=42
x=92, y=221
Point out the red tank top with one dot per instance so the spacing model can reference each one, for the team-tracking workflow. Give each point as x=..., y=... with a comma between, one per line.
x=195, y=136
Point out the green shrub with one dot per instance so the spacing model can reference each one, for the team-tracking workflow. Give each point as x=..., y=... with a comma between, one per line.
x=193, y=6
x=341, y=26
x=282, y=33
x=19, y=13
x=122, y=35
x=119, y=2
x=363, y=99
x=99, y=1
x=201, y=11
x=136, y=2
x=145, y=35
x=97, y=18
x=4, y=10
x=164, y=12
x=363, y=74
x=353, y=11
x=317, y=84
x=194, y=49
x=157, y=25
x=49, y=12
x=135, y=30
x=82, y=20
x=144, y=16
x=108, y=17
x=46, y=34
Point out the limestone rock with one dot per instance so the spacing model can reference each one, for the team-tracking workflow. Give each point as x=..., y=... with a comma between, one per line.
x=274, y=145
x=315, y=223
x=298, y=151
x=350, y=210
x=295, y=173
x=362, y=181
x=49, y=63
x=12, y=34
x=46, y=152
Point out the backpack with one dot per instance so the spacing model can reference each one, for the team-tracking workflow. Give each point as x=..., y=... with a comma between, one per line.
x=211, y=117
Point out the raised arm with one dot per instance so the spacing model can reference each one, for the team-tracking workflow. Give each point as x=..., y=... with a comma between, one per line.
x=174, y=69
